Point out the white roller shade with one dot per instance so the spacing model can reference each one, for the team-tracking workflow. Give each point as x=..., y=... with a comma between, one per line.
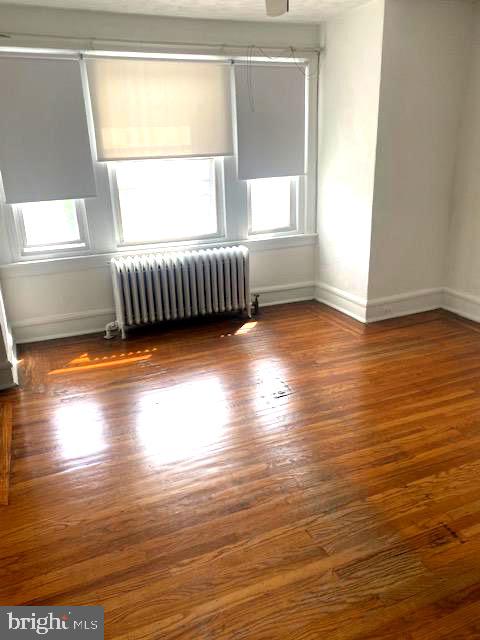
x=270, y=111
x=160, y=109
x=44, y=145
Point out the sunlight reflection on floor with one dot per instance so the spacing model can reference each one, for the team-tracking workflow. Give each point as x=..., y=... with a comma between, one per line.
x=80, y=429
x=85, y=363
x=179, y=421
x=246, y=328
x=270, y=380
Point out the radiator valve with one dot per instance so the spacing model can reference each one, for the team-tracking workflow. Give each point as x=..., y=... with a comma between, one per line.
x=111, y=330
x=255, y=303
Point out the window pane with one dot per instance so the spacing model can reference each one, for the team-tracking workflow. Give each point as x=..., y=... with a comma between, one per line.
x=163, y=200
x=50, y=223
x=270, y=204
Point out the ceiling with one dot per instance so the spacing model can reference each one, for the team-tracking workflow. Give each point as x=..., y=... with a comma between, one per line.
x=302, y=11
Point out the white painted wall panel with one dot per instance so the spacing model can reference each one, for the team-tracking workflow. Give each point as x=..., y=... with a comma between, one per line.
x=425, y=61
x=350, y=89
x=463, y=268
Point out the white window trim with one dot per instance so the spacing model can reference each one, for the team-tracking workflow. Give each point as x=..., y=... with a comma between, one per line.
x=123, y=244
x=292, y=228
x=18, y=237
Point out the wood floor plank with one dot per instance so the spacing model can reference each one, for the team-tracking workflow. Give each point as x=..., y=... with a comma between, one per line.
x=296, y=476
x=5, y=450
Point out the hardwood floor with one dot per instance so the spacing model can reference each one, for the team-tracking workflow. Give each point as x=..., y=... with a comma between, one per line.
x=5, y=449
x=300, y=477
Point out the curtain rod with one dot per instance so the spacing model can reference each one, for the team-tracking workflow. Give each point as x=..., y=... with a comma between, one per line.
x=67, y=55
x=231, y=59
x=93, y=42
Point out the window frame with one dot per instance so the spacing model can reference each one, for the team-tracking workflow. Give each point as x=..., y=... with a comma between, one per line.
x=294, y=212
x=219, y=190
x=24, y=251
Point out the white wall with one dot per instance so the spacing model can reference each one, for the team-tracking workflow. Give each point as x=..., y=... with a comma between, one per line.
x=425, y=58
x=73, y=296
x=85, y=25
x=348, y=136
x=463, y=266
x=385, y=194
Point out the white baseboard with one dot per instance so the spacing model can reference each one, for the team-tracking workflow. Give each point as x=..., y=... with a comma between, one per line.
x=347, y=303
x=463, y=304
x=379, y=308
x=61, y=325
x=285, y=293
x=404, y=304
x=94, y=321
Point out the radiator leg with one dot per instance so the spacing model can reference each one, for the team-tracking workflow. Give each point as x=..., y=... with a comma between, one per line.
x=110, y=329
x=124, y=333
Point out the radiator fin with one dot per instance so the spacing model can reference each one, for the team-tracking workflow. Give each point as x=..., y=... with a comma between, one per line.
x=168, y=286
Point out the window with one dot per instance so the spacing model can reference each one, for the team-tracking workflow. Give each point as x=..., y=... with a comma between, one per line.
x=166, y=200
x=169, y=177
x=54, y=225
x=272, y=205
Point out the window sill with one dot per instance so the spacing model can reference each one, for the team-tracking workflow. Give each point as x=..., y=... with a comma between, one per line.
x=90, y=260
x=73, y=249
x=266, y=242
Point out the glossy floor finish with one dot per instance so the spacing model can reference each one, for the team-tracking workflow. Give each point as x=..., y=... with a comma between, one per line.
x=298, y=477
x=5, y=449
